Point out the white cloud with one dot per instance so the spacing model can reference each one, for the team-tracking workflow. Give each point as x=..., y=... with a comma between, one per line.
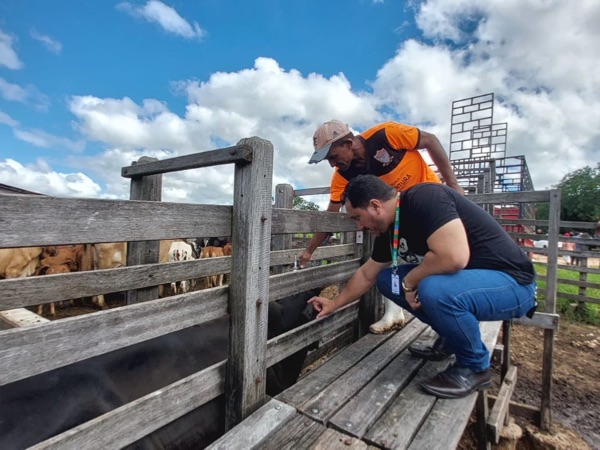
x=52, y=45
x=40, y=178
x=28, y=95
x=12, y=92
x=539, y=59
x=546, y=86
x=40, y=138
x=165, y=16
x=8, y=120
x=8, y=56
x=282, y=106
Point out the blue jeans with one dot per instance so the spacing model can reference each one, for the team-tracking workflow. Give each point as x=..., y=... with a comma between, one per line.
x=453, y=304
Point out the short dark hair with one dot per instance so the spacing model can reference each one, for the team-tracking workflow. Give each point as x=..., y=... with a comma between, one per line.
x=364, y=188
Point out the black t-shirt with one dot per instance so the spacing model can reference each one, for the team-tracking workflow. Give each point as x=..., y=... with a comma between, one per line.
x=428, y=206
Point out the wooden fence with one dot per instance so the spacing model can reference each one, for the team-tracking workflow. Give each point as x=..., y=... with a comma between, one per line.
x=143, y=221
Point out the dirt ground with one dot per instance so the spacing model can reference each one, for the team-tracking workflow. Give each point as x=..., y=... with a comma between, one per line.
x=576, y=387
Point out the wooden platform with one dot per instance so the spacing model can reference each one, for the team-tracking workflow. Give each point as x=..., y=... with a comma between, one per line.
x=368, y=395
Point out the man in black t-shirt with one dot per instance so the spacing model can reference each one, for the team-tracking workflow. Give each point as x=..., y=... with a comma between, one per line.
x=462, y=268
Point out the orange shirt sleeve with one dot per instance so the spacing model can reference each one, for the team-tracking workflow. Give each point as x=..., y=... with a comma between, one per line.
x=337, y=188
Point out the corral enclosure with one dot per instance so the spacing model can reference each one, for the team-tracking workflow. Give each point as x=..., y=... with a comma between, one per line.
x=142, y=222
x=259, y=275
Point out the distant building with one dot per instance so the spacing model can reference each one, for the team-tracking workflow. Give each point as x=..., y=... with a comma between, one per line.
x=5, y=189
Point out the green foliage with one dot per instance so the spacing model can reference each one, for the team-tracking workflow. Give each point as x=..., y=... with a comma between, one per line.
x=580, y=195
x=572, y=310
x=300, y=203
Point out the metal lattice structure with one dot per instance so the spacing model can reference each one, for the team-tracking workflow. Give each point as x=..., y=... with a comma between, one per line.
x=478, y=154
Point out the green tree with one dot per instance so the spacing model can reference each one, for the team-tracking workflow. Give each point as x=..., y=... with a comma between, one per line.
x=300, y=203
x=580, y=196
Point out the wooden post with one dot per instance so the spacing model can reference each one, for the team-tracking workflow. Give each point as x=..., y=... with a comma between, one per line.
x=249, y=288
x=371, y=304
x=551, y=286
x=482, y=413
x=147, y=187
x=284, y=198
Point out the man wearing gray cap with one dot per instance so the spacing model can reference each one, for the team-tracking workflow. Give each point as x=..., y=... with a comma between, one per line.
x=390, y=151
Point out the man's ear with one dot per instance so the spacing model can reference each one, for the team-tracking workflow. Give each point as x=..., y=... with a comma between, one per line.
x=375, y=204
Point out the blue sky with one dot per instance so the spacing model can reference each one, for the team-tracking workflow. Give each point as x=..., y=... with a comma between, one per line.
x=88, y=87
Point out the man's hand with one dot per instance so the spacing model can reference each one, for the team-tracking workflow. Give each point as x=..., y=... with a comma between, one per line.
x=323, y=305
x=412, y=298
x=304, y=258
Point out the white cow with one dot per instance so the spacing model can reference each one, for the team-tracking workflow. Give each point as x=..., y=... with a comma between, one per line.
x=181, y=251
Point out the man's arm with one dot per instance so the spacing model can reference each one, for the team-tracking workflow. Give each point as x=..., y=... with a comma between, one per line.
x=317, y=238
x=362, y=280
x=432, y=144
x=448, y=252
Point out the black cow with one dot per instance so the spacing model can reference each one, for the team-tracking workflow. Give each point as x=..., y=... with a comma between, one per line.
x=45, y=405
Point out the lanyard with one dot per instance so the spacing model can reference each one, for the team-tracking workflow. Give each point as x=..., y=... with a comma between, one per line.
x=395, y=242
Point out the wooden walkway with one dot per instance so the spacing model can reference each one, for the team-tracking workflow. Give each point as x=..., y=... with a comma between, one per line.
x=368, y=395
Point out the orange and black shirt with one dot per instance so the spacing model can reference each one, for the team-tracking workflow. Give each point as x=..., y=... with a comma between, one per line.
x=392, y=155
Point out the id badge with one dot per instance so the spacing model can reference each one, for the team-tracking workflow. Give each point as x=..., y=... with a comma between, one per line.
x=395, y=284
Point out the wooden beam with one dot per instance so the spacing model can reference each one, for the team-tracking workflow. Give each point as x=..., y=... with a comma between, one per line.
x=497, y=417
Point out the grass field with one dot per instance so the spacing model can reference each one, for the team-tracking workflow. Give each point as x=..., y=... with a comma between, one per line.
x=579, y=311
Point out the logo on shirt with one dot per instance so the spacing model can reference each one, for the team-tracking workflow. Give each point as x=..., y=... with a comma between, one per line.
x=383, y=157
x=406, y=254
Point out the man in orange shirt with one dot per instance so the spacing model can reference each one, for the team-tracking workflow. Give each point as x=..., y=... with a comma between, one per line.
x=389, y=151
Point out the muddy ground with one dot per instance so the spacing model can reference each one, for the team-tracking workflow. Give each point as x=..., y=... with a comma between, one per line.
x=576, y=387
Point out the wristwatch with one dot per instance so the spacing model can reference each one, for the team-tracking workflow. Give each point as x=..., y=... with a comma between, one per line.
x=406, y=289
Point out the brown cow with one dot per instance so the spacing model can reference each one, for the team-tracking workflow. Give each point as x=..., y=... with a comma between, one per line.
x=53, y=270
x=19, y=262
x=213, y=252
x=70, y=255
x=104, y=256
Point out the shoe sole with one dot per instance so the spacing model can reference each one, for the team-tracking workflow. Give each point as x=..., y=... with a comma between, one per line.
x=446, y=395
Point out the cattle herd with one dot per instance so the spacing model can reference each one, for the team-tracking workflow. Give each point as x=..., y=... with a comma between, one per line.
x=37, y=261
x=37, y=408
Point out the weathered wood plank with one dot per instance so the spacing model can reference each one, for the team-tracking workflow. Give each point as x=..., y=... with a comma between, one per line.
x=312, y=191
x=547, y=321
x=131, y=422
x=40, y=348
x=328, y=401
x=38, y=221
x=288, y=283
x=18, y=318
x=297, y=221
x=356, y=416
x=288, y=343
x=147, y=187
x=511, y=197
x=237, y=154
x=299, y=433
x=448, y=418
x=334, y=440
x=256, y=427
x=282, y=257
x=284, y=198
x=249, y=289
x=312, y=384
x=31, y=291
x=497, y=417
x=400, y=422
